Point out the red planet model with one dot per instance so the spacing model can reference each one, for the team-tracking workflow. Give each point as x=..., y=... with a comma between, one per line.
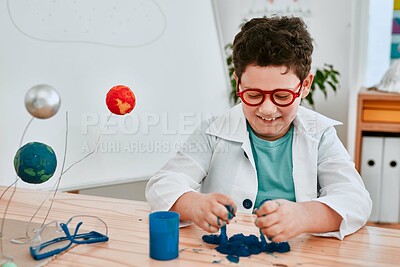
x=120, y=100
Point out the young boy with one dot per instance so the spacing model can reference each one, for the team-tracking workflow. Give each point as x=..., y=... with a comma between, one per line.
x=267, y=148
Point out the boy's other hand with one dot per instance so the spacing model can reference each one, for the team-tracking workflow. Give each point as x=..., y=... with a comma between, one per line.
x=281, y=219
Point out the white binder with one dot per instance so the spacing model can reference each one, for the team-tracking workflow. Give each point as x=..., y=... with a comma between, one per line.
x=380, y=160
x=371, y=171
x=390, y=193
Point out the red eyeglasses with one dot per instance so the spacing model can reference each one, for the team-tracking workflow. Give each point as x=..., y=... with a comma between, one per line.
x=280, y=97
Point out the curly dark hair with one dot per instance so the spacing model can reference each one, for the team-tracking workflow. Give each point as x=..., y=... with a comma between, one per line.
x=273, y=41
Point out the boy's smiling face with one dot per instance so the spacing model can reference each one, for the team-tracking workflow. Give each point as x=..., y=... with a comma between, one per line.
x=269, y=121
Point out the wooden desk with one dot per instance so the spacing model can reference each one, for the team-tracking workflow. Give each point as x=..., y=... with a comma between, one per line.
x=376, y=112
x=129, y=238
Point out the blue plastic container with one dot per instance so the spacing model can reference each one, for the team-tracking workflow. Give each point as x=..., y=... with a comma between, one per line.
x=164, y=235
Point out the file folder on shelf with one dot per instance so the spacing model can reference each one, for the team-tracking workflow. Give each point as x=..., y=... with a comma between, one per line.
x=380, y=170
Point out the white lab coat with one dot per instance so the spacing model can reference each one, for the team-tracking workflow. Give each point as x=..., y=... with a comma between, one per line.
x=217, y=157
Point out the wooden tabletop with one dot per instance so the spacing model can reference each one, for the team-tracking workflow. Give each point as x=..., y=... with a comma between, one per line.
x=129, y=238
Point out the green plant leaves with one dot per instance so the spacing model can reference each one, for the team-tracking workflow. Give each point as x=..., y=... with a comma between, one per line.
x=324, y=78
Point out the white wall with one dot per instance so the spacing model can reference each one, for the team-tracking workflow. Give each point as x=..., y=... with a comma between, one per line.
x=83, y=48
x=380, y=14
x=370, y=52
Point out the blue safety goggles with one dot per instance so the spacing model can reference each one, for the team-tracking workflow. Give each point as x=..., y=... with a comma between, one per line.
x=43, y=247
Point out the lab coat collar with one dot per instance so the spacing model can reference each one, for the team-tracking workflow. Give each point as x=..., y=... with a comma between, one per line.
x=232, y=126
x=311, y=123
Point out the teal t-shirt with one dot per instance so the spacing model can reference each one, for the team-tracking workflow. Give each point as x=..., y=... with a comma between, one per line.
x=274, y=166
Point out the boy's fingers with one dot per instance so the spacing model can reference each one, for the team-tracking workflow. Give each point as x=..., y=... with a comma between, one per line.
x=265, y=222
x=268, y=207
x=219, y=216
x=213, y=222
x=230, y=211
x=227, y=209
x=209, y=227
x=227, y=202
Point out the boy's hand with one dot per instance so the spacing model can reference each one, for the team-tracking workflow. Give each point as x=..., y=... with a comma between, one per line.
x=208, y=211
x=281, y=219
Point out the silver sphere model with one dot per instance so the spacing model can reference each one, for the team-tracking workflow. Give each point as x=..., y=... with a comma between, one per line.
x=42, y=101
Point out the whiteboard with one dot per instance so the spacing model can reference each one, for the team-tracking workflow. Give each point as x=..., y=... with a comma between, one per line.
x=166, y=51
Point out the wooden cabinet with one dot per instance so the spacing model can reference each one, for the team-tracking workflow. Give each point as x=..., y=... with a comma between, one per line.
x=377, y=154
x=378, y=112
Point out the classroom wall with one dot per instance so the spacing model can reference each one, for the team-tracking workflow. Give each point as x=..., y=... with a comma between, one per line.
x=370, y=50
x=166, y=51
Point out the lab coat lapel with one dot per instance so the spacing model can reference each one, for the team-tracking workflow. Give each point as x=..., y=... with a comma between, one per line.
x=309, y=126
x=304, y=156
x=233, y=127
